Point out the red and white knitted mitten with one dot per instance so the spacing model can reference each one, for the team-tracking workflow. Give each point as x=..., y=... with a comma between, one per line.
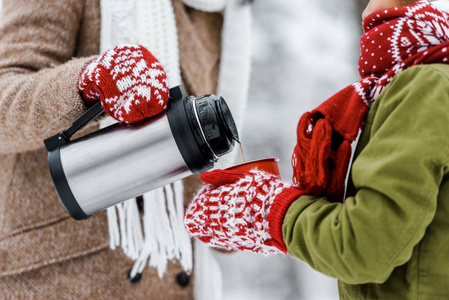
x=240, y=210
x=129, y=81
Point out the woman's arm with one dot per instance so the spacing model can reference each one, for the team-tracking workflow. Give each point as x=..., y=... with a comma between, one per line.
x=38, y=76
x=397, y=178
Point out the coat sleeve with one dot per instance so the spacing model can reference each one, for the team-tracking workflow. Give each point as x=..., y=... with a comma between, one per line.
x=38, y=77
x=397, y=177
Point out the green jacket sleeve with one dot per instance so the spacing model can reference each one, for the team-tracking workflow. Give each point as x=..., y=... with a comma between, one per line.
x=396, y=175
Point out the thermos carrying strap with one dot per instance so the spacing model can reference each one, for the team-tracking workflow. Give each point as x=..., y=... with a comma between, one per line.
x=63, y=137
x=53, y=145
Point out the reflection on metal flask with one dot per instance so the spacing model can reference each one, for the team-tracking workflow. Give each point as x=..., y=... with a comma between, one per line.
x=123, y=161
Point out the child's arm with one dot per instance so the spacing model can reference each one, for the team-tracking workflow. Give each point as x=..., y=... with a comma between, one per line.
x=397, y=176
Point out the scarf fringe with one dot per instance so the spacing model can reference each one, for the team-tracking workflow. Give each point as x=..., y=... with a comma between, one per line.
x=163, y=238
x=317, y=168
x=311, y=154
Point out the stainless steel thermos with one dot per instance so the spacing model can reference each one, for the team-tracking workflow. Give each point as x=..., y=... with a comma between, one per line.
x=123, y=161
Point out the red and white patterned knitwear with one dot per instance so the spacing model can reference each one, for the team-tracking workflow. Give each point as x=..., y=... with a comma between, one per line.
x=394, y=39
x=129, y=81
x=234, y=215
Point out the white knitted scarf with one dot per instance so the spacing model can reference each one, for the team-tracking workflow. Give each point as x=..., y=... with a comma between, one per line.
x=152, y=24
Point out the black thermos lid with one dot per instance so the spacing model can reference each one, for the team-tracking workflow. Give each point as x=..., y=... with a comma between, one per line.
x=202, y=127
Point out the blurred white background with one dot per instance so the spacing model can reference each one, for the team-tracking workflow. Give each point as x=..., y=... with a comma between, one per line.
x=303, y=52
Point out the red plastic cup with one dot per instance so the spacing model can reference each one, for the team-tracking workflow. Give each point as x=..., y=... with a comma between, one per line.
x=269, y=165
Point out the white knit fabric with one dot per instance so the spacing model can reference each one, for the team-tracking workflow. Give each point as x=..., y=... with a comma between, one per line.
x=206, y=5
x=152, y=24
x=235, y=60
x=148, y=23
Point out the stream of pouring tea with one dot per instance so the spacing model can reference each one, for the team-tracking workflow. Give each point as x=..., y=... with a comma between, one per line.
x=241, y=150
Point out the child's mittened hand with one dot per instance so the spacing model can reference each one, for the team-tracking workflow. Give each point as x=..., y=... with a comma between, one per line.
x=239, y=210
x=129, y=81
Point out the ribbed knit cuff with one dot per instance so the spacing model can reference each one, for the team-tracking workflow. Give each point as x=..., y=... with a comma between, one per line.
x=277, y=213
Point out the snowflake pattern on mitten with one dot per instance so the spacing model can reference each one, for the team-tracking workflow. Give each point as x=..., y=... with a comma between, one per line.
x=129, y=81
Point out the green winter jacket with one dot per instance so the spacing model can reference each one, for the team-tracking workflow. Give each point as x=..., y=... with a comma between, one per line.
x=390, y=239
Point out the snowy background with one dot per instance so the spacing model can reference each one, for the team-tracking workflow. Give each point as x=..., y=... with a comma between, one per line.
x=303, y=52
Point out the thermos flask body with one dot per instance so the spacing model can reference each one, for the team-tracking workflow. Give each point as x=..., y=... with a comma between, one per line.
x=120, y=162
x=123, y=161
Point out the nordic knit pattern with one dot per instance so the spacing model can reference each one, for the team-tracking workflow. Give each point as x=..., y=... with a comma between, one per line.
x=233, y=210
x=394, y=39
x=129, y=81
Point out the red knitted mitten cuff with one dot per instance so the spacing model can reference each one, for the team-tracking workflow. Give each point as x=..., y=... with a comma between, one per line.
x=277, y=213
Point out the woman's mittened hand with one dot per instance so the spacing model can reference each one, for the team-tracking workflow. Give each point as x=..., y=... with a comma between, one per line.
x=129, y=81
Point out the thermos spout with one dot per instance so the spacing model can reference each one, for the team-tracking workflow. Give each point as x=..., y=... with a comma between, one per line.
x=203, y=129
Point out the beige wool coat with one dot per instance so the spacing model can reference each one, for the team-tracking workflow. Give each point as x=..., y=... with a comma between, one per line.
x=44, y=254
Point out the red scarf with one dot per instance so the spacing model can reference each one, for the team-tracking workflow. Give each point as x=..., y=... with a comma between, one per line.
x=393, y=40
